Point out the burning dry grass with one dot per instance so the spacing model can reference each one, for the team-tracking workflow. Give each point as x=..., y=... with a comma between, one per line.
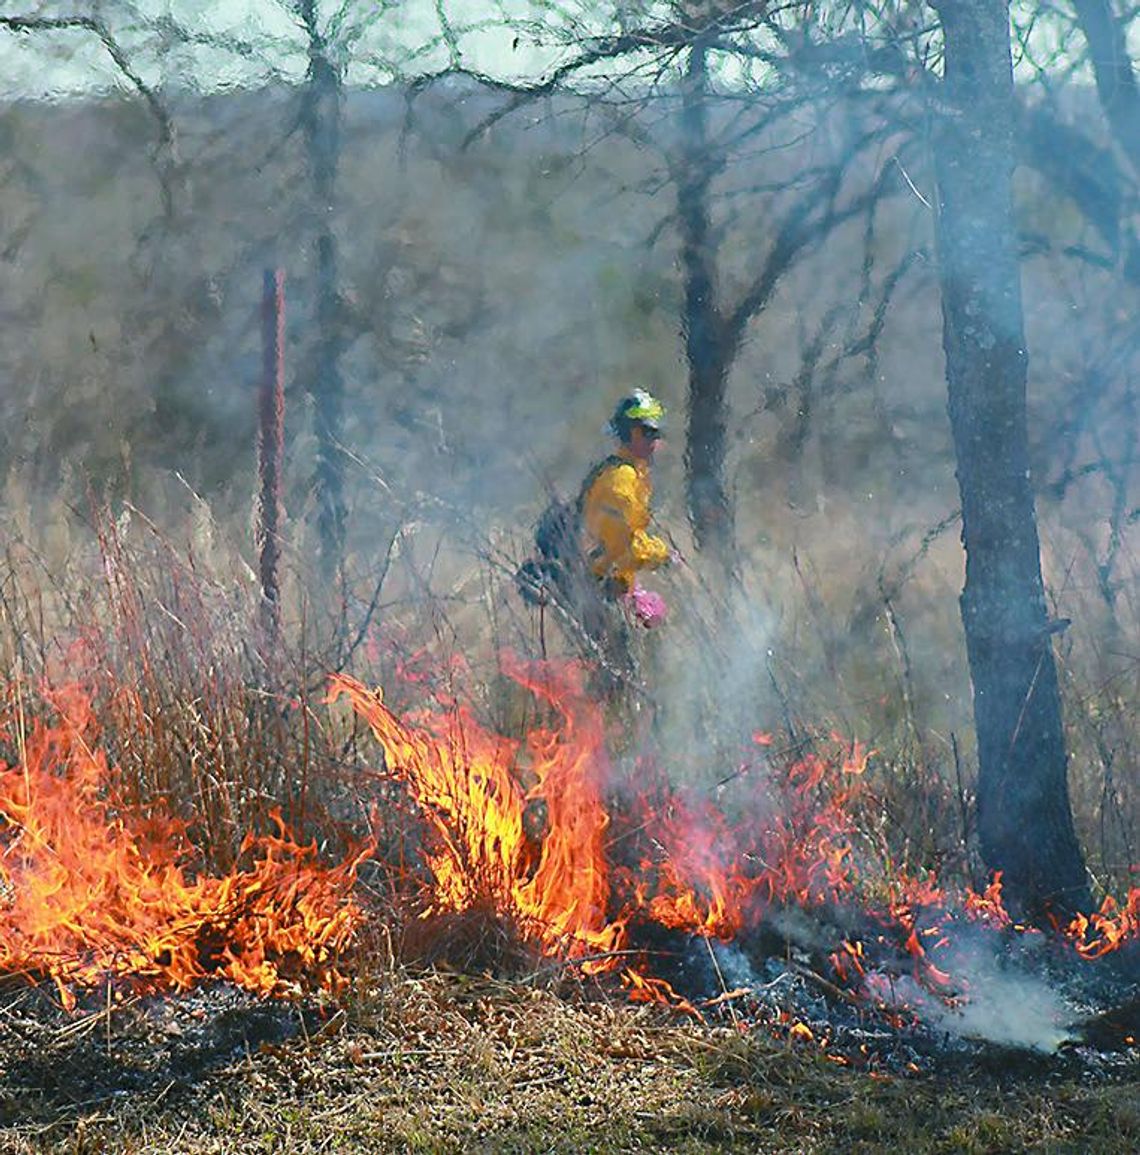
x=505, y=855
x=203, y=714
x=100, y=890
x=94, y=891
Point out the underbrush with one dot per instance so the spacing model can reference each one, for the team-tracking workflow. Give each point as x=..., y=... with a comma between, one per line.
x=218, y=720
x=452, y=1032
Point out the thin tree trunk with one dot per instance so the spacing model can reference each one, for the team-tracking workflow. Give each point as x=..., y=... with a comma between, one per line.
x=1024, y=816
x=1116, y=84
x=710, y=510
x=322, y=126
x=271, y=448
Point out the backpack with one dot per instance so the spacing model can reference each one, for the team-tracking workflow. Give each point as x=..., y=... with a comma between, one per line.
x=557, y=532
x=558, y=544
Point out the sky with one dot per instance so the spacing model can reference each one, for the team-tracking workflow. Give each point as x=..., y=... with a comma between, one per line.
x=54, y=64
x=406, y=33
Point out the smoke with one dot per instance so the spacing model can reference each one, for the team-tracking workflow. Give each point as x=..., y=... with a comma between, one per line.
x=998, y=1005
x=709, y=674
x=995, y=1000
x=734, y=968
x=1003, y=1003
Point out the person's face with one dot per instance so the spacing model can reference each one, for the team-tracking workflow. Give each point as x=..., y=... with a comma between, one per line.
x=643, y=442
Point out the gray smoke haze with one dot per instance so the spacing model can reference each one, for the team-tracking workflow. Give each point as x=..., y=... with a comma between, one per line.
x=710, y=678
x=498, y=300
x=1018, y=1012
x=995, y=1000
x=1003, y=1001
x=498, y=296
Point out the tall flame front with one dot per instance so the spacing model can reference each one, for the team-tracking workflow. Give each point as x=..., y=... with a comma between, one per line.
x=466, y=783
x=91, y=892
x=565, y=893
x=694, y=870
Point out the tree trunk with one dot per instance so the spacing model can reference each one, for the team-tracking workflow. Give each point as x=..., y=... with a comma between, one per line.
x=1111, y=62
x=710, y=511
x=271, y=449
x=1024, y=817
x=322, y=125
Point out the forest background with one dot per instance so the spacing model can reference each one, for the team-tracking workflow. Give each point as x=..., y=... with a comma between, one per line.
x=474, y=274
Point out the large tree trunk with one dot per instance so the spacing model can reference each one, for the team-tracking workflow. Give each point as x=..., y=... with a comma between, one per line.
x=1024, y=817
x=710, y=511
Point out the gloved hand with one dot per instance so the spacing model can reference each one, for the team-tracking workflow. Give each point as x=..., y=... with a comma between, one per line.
x=647, y=607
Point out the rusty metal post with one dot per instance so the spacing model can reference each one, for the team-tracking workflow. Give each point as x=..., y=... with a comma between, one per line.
x=271, y=446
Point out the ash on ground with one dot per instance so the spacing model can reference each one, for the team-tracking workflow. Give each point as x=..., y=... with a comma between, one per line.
x=1027, y=1008
x=105, y=1049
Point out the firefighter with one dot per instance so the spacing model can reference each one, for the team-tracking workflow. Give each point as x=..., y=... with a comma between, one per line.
x=591, y=549
x=614, y=508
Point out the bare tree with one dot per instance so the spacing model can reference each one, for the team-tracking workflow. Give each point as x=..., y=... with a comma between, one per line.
x=332, y=40
x=1024, y=816
x=130, y=74
x=1083, y=145
x=321, y=114
x=661, y=80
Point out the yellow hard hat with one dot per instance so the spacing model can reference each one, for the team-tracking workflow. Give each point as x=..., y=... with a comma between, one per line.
x=639, y=408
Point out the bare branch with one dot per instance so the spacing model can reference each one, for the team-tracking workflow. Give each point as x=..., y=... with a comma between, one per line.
x=1115, y=79
x=26, y=24
x=803, y=227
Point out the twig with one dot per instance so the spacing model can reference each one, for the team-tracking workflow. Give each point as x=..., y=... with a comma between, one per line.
x=791, y=748
x=909, y=183
x=825, y=985
x=724, y=997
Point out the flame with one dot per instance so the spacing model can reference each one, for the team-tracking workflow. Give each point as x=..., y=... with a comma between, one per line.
x=672, y=857
x=701, y=874
x=988, y=907
x=694, y=879
x=695, y=871
x=801, y=1032
x=91, y=892
x=1107, y=929
x=649, y=989
x=466, y=782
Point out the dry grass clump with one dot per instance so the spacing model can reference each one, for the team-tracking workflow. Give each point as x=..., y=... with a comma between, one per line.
x=478, y=940
x=203, y=714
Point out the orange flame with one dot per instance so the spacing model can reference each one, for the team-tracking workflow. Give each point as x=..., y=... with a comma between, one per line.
x=88, y=893
x=466, y=782
x=685, y=866
x=988, y=907
x=1108, y=928
x=698, y=872
x=695, y=880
